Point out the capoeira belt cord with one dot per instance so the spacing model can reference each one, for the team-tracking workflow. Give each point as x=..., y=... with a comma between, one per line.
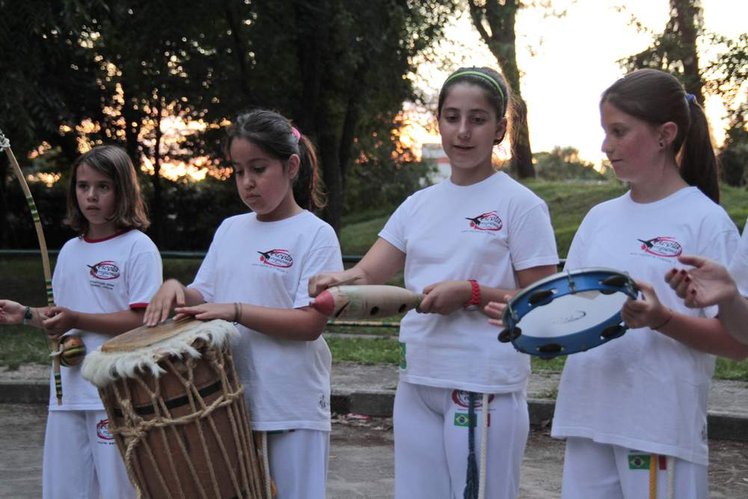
x=654, y=460
x=471, y=477
x=475, y=480
x=54, y=345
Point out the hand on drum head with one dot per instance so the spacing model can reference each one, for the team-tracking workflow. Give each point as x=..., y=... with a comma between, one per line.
x=647, y=312
x=170, y=294
x=708, y=283
x=210, y=311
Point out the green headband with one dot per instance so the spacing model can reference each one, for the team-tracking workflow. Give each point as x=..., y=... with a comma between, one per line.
x=486, y=77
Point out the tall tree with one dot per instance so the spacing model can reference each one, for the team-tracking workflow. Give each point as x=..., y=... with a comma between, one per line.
x=495, y=22
x=675, y=49
x=338, y=69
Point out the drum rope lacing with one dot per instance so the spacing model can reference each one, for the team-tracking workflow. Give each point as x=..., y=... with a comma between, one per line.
x=135, y=437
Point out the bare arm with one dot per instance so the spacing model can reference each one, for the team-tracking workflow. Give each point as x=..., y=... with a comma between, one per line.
x=709, y=283
x=63, y=320
x=448, y=296
x=301, y=324
x=12, y=312
x=378, y=265
x=700, y=333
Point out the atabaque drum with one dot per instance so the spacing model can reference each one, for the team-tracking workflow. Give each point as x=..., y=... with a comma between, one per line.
x=177, y=411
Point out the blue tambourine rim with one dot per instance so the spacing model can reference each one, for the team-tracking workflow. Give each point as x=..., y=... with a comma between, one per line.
x=584, y=279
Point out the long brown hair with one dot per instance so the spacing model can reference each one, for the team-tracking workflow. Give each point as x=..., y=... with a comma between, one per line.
x=657, y=97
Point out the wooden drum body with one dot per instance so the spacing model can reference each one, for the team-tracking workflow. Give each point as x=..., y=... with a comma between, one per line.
x=177, y=412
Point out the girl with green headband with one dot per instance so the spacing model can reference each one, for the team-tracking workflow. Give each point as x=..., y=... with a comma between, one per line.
x=474, y=237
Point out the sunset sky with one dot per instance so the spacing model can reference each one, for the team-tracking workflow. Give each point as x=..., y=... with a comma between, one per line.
x=567, y=62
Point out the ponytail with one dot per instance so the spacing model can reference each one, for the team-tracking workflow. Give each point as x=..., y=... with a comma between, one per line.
x=697, y=160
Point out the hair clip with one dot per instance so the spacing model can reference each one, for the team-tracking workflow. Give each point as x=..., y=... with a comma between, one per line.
x=296, y=133
x=690, y=98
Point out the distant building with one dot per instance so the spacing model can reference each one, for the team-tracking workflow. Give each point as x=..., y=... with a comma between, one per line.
x=435, y=155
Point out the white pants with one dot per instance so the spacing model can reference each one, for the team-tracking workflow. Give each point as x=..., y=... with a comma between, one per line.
x=298, y=463
x=603, y=471
x=431, y=442
x=81, y=459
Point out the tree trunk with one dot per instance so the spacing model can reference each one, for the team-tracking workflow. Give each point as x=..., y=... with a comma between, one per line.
x=685, y=15
x=157, y=217
x=501, y=40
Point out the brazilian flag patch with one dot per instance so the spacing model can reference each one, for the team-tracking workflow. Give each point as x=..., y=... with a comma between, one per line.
x=403, y=362
x=639, y=461
x=463, y=419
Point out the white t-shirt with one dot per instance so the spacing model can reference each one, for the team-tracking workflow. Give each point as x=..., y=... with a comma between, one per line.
x=101, y=276
x=485, y=231
x=644, y=390
x=739, y=264
x=286, y=383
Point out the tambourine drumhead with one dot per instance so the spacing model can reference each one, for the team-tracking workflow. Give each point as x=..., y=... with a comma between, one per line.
x=568, y=312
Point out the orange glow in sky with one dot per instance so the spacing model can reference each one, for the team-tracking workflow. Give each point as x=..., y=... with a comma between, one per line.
x=567, y=62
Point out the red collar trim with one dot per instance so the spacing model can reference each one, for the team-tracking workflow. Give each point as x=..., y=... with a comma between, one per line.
x=116, y=234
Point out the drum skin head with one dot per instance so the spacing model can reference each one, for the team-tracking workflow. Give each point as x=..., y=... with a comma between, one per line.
x=145, y=336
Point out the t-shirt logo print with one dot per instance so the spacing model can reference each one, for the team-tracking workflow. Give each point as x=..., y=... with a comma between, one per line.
x=105, y=271
x=486, y=221
x=662, y=246
x=276, y=258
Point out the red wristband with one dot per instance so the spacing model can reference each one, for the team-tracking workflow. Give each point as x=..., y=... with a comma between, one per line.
x=474, y=294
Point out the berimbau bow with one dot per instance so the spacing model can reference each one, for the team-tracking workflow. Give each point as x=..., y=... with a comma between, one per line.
x=53, y=344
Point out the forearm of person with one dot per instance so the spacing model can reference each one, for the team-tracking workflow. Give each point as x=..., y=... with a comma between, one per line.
x=113, y=323
x=705, y=335
x=524, y=278
x=733, y=315
x=299, y=324
x=37, y=316
x=378, y=265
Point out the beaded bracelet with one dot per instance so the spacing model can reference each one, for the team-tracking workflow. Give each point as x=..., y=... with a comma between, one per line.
x=474, y=294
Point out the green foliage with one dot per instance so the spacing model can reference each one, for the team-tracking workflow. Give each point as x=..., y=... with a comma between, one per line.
x=564, y=164
x=734, y=156
x=364, y=350
x=731, y=369
x=23, y=345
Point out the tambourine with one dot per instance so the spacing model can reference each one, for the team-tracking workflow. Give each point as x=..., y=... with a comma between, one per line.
x=568, y=312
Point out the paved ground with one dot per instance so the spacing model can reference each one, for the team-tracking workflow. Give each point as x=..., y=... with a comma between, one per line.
x=360, y=459
x=361, y=449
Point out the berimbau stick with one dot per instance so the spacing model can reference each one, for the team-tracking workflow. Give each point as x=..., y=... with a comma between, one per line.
x=54, y=345
x=365, y=301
